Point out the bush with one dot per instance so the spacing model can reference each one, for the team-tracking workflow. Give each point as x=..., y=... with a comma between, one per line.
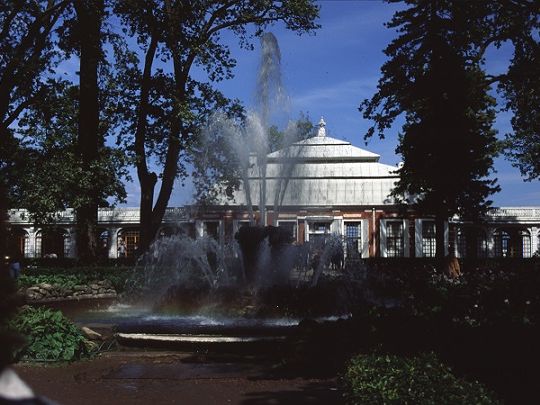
x=70, y=277
x=50, y=336
x=387, y=379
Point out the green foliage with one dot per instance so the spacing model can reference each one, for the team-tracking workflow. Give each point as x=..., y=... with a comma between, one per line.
x=423, y=380
x=9, y=302
x=471, y=29
x=490, y=293
x=50, y=336
x=70, y=277
x=54, y=178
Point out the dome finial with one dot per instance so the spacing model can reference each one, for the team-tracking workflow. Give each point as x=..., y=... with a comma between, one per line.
x=322, y=130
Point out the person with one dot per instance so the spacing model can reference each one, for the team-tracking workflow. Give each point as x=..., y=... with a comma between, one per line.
x=122, y=250
x=15, y=266
x=104, y=249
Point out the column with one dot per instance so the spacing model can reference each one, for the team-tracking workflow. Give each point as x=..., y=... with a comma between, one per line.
x=490, y=238
x=113, y=243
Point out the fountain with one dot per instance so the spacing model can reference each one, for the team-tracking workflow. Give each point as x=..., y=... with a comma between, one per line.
x=256, y=288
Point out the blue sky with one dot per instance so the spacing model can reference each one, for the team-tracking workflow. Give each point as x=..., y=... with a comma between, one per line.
x=331, y=72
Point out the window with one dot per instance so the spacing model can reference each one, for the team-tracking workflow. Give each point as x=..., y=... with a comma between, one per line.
x=525, y=239
x=52, y=243
x=353, y=240
x=290, y=226
x=104, y=243
x=481, y=245
x=318, y=231
x=502, y=243
x=394, y=239
x=461, y=243
x=429, y=241
x=512, y=243
x=211, y=229
x=320, y=227
x=471, y=238
x=131, y=239
x=18, y=242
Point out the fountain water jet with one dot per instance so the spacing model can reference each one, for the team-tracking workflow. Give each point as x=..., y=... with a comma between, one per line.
x=246, y=284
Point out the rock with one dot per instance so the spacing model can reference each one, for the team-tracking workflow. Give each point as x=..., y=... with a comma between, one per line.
x=91, y=334
x=45, y=286
x=91, y=346
x=106, y=283
x=34, y=296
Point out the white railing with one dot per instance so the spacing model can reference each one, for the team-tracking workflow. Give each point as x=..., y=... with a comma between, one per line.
x=105, y=215
x=515, y=212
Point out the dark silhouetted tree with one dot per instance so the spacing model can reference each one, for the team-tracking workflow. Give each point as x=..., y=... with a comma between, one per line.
x=171, y=107
x=447, y=142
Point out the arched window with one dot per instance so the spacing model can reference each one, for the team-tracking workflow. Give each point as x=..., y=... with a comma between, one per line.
x=481, y=244
x=18, y=242
x=52, y=243
x=104, y=242
x=525, y=239
x=471, y=241
x=502, y=243
x=512, y=243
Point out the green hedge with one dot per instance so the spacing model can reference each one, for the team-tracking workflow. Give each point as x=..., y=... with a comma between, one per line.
x=70, y=277
x=388, y=379
x=49, y=335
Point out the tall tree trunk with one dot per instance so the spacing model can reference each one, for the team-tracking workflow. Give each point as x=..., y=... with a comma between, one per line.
x=3, y=224
x=147, y=179
x=147, y=183
x=89, y=16
x=152, y=217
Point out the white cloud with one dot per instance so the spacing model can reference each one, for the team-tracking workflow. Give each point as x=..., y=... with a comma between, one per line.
x=337, y=94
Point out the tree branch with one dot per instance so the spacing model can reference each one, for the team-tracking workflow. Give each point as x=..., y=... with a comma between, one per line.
x=140, y=133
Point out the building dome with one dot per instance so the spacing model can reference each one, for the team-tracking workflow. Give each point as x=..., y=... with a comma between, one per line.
x=322, y=171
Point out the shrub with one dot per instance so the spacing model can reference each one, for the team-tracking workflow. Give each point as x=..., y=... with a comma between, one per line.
x=50, y=336
x=387, y=379
x=69, y=277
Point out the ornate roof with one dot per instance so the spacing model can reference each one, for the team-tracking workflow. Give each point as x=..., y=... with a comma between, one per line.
x=323, y=171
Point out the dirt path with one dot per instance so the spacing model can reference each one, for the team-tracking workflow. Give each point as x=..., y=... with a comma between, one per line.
x=175, y=378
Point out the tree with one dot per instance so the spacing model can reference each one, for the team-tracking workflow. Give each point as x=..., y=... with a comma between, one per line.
x=27, y=54
x=50, y=174
x=55, y=155
x=447, y=143
x=521, y=89
x=89, y=14
x=171, y=107
x=516, y=23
